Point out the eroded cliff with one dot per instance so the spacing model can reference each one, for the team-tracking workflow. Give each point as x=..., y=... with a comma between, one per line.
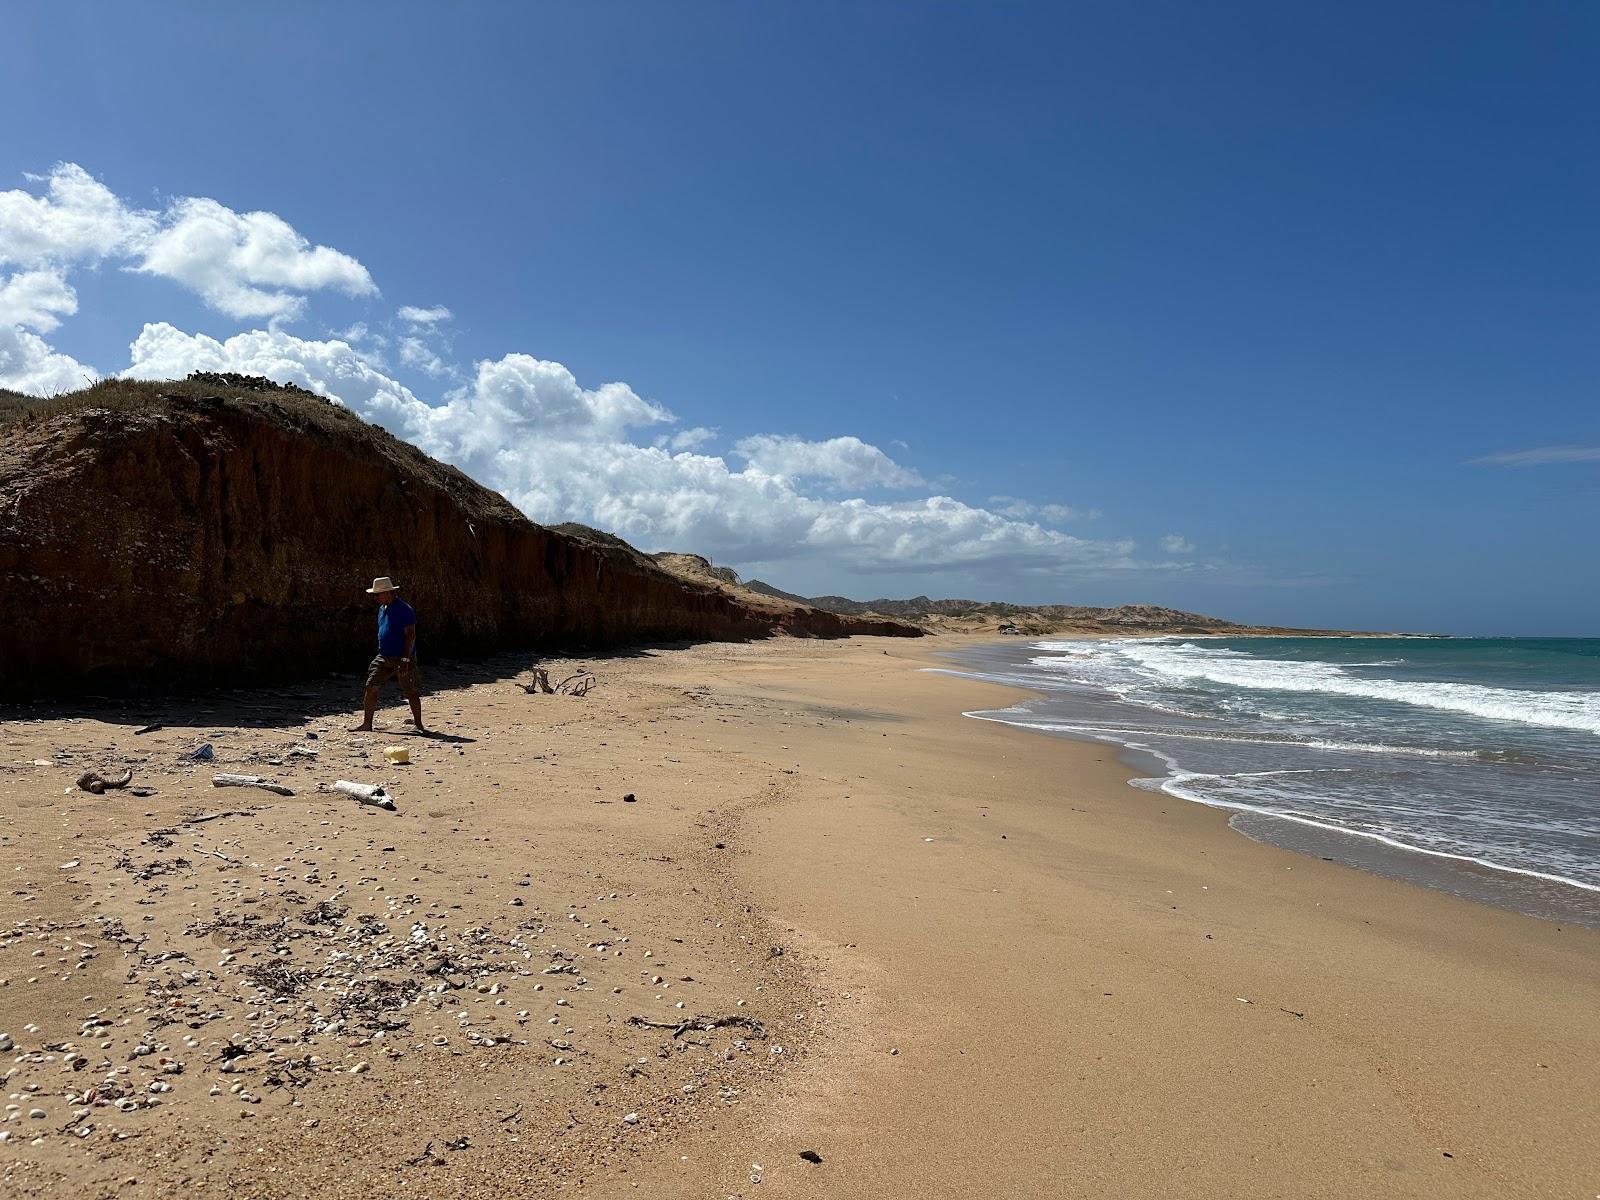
x=220, y=531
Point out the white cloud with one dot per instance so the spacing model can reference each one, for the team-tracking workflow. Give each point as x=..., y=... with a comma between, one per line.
x=1177, y=544
x=559, y=451
x=522, y=393
x=248, y=265
x=37, y=299
x=687, y=439
x=1542, y=456
x=846, y=462
x=424, y=316
x=414, y=352
x=521, y=425
x=1026, y=510
x=28, y=364
x=78, y=219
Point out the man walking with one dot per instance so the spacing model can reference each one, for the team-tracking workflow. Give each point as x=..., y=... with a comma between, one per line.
x=397, y=653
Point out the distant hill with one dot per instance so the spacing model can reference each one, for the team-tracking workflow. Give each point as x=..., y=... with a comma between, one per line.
x=994, y=616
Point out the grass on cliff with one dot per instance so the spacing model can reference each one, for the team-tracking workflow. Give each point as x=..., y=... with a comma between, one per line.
x=283, y=404
x=129, y=395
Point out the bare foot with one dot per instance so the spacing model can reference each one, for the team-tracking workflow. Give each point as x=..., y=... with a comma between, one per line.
x=361, y=729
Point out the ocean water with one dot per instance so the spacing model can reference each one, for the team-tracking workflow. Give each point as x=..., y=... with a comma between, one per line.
x=1467, y=764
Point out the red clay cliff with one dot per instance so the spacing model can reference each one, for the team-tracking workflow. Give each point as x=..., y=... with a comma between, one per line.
x=220, y=531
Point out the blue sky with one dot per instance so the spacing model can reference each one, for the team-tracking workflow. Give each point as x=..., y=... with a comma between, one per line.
x=1205, y=305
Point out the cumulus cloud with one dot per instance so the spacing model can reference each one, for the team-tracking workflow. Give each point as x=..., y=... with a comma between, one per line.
x=414, y=352
x=37, y=299
x=77, y=220
x=560, y=451
x=29, y=365
x=249, y=265
x=845, y=462
x=413, y=315
x=1177, y=544
x=522, y=425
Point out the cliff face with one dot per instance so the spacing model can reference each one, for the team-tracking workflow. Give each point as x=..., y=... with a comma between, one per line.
x=173, y=535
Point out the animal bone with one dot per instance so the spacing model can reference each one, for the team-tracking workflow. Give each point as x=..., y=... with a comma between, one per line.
x=91, y=781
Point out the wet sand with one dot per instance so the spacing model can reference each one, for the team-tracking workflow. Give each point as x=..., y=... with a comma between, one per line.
x=958, y=959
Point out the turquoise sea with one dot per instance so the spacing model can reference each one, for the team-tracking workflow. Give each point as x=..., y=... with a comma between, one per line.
x=1469, y=764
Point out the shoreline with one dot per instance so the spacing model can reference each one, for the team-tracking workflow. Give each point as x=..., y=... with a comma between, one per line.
x=1530, y=892
x=980, y=962
x=1051, y=934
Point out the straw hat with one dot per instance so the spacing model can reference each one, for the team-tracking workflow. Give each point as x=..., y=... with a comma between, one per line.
x=382, y=584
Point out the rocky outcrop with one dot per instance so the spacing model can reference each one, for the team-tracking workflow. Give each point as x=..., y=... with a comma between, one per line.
x=790, y=613
x=221, y=531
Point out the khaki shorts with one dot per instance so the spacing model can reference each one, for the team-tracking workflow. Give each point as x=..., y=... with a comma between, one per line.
x=384, y=669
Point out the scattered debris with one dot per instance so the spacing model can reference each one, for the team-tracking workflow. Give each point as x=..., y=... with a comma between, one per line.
x=398, y=755
x=811, y=1156
x=630, y=798
x=144, y=729
x=204, y=752
x=254, y=781
x=426, y=1159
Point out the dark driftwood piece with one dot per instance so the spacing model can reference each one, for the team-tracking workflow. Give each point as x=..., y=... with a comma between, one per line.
x=578, y=684
x=704, y=1024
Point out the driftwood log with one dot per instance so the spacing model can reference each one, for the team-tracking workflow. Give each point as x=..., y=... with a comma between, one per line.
x=251, y=781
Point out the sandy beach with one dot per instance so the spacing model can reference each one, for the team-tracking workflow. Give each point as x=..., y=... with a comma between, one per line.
x=740, y=903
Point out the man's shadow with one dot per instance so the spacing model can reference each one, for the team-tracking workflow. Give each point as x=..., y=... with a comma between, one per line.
x=433, y=735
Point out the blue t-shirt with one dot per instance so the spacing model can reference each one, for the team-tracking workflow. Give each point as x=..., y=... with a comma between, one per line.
x=393, y=618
